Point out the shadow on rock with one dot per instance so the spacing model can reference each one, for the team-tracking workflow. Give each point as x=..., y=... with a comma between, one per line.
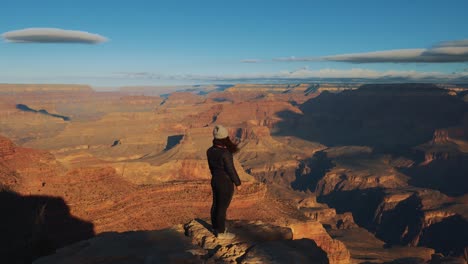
x=403, y=224
x=35, y=226
x=149, y=247
x=311, y=171
x=389, y=118
x=449, y=236
x=447, y=176
x=362, y=203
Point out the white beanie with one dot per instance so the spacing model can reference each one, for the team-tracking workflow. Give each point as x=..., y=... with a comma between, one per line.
x=220, y=132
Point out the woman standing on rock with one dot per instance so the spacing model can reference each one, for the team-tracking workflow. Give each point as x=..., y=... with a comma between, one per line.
x=223, y=178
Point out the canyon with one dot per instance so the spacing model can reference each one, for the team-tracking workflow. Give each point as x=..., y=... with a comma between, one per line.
x=331, y=173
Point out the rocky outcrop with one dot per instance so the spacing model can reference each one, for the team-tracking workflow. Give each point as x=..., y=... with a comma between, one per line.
x=340, y=179
x=258, y=241
x=255, y=242
x=336, y=251
x=247, y=235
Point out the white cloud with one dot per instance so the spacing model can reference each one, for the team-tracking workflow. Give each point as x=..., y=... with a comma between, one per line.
x=449, y=51
x=454, y=43
x=403, y=55
x=52, y=35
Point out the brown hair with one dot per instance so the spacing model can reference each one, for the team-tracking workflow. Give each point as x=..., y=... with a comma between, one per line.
x=226, y=142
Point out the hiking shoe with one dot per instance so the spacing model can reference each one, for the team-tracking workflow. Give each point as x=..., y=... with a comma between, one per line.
x=226, y=236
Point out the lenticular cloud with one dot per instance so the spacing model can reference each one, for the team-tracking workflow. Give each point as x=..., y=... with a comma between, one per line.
x=52, y=35
x=444, y=52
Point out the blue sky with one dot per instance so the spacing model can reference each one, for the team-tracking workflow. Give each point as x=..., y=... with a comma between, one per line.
x=184, y=42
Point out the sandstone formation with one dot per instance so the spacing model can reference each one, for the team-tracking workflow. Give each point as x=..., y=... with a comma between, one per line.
x=323, y=161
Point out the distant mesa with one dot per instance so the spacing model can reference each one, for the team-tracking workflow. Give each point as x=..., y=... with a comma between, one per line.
x=26, y=108
x=44, y=88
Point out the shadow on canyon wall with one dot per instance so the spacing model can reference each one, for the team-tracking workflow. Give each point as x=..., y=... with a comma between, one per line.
x=388, y=117
x=448, y=176
x=451, y=234
x=26, y=108
x=402, y=225
x=35, y=226
x=311, y=171
x=362, y=203
x=173, y=141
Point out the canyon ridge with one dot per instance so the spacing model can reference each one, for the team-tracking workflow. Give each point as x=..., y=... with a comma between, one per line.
x=332, y=173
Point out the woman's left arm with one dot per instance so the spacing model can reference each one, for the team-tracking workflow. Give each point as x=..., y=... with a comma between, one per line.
x=230, y=169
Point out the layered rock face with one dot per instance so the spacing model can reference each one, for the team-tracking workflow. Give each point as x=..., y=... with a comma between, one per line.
x=26, y=169
x=385, y=117
x=99, y=195
x=398, y=213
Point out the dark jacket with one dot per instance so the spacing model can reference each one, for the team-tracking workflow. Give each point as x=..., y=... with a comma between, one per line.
x=221, y=164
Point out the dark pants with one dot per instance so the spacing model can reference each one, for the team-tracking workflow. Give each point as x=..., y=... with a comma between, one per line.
x=223, y=189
